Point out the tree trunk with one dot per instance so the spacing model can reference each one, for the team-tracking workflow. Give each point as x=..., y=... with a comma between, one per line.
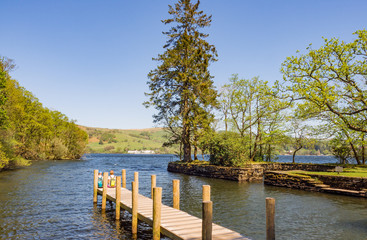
x=226, y=122
x=363, y=151
x=268, y=159
x=260, y=137
x=355, y=153
x=195, y=152
x=186, y=143
x=294, y=154
x=252, y=157
x=250, y=133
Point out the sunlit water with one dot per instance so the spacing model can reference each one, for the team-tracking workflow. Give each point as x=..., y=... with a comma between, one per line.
x=53, y=200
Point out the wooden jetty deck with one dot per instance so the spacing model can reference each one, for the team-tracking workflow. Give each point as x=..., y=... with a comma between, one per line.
x=175, y=223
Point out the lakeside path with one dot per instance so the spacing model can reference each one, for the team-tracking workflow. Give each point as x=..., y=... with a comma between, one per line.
x=175, y=224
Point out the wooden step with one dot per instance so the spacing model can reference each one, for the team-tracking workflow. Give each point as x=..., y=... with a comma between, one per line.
x=322, y=186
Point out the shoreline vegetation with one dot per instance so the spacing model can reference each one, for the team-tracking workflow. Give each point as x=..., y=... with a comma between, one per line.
x=30, y=131
x=321, y=98
x=104, y=140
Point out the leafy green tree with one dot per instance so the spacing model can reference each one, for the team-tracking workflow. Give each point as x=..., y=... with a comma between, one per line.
x=341, y=149
x=226, y=148
x=332, y=81
x=181, y=87
x=30, y=131
x=252, y=109
x=301, y=136
x=6, y=65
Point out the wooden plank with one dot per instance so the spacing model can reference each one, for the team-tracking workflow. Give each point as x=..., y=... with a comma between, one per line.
x=175, y=223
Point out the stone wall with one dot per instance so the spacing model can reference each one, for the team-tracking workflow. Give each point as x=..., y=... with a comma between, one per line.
x=352, y=183
x=250, y=173
x=295, y=166
x=291, y=181
x=356, y=187
x=229, y=173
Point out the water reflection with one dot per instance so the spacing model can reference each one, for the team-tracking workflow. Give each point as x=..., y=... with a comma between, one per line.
x=53, y=200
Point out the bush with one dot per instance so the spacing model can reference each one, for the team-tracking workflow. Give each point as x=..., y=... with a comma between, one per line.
x=341, y=150
x=108, y=148
x=227, y=149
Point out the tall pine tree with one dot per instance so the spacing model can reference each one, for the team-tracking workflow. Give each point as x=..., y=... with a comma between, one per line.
x=181, y=87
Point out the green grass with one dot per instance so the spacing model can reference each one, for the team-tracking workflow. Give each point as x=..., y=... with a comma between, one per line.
x=347, y=172
x=125, y=140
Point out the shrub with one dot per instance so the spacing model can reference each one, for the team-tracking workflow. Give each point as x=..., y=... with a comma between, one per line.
x=108, y=148
x=227, y=149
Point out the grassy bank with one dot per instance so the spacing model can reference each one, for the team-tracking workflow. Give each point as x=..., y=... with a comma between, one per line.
x=357, y=171
x=103, y=140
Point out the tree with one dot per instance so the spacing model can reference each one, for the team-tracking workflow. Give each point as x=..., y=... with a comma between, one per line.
x=341, y=149
x=30, y=131
x=332, y=80
x=6, y=65
x=181, y=87
x=252, y=108
x=301, y=136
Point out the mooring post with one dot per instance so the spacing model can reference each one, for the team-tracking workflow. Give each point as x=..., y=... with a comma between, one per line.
x=153, y=183
x=123, y=178
x=176, y=193
x=118, y=197
x=270, y=223
x=206, y=193
x=157, y=206
x=206, y=233
x=136, y=179
x=134, y=211
x=95, y=186
x=104, y=193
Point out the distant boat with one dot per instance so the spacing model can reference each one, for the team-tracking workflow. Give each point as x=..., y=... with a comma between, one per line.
x=141, y=152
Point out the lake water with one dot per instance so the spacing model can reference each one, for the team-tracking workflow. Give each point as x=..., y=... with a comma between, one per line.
x=53, y=200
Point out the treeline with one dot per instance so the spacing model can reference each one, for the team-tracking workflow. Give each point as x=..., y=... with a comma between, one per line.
x=322, y=96
x=30, y=131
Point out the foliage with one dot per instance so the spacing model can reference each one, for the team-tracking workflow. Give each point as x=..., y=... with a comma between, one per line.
x=108, y=137
x=181, y=87
x=302, y=135
x=341, y=150
x=31, y=131
x=108, y=148
x=227, y=149
x=252, y=108
x=330, y=86
x=331, y=80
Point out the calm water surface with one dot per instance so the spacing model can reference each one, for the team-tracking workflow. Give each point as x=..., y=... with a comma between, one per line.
x=53, y=200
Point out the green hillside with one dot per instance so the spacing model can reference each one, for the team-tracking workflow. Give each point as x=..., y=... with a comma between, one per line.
x=103, y=140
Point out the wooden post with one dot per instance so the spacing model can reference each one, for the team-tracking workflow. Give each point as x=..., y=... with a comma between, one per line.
x=95, y=186
x=157, y=205
x=270, y=223
x=104, y=193
x=206, y=233
x=153, y=183
x=206, y=193
x=134, y=211
x=136, y=179
x=118, y=197
x=123, y=178
x=176, y=193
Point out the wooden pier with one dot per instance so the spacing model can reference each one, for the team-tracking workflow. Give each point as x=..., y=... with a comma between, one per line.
x=170, y=221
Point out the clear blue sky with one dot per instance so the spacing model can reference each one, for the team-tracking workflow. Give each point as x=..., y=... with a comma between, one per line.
x=89, y=59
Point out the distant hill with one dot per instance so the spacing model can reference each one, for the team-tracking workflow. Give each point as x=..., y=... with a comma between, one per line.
x=103, y=140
